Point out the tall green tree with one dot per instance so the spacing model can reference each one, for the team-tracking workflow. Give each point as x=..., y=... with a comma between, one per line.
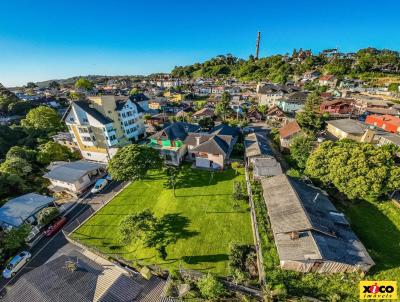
x=173, y=174
x=52, y=151
x=132, y=162
x=359, y=170
x=310, y=118
x=43, y=118
x=301, y=147
x=222, y=108
x=84, y=84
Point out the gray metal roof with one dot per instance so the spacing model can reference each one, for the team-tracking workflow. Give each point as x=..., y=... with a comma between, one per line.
x=223, y=129
x=214, y=145
x=72, y=171
x=349, y=126
x=89, y=282
x=257, y=144
x=176, y=131
x=324, y=233
x=15, y=211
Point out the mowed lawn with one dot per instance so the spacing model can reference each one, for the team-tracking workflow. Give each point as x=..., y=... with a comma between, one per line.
x=203, y=216
x=378, y=227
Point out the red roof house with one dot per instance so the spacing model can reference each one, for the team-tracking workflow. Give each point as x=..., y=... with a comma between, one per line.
x=387, y=122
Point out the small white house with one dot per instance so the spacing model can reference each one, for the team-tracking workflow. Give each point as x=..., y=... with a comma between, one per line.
x=74, y=177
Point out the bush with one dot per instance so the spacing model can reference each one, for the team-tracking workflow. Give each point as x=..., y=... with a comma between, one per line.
x=239, y=191
x=46, y=215
x=210, y=287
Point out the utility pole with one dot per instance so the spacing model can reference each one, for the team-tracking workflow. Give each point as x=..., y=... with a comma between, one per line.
x=258, y=44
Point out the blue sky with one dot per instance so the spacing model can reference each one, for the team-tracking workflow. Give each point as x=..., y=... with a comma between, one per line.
x=41, y=40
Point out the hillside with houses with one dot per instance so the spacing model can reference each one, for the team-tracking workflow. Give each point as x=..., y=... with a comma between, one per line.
x=270, y=179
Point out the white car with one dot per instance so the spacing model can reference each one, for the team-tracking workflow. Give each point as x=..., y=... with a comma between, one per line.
x=16, y=264
x=99, y=185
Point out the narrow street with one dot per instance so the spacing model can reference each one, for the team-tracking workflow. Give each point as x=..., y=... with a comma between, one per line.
x=47, y=247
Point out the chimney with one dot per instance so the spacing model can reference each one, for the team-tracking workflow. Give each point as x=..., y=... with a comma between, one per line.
x=197, y=140
x=294, y=235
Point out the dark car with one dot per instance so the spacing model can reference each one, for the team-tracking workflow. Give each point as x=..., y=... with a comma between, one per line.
x=56, y=225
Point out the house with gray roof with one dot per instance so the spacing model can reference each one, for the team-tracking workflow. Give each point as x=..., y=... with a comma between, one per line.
x=349, y=129
x=74, y=177
x=23, y=209
x=170, y=141
x=213, y=149
x=310, y=234
x=260, y=156
x=76, y=277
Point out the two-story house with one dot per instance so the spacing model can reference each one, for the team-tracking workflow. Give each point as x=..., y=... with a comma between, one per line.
x=170, y=141
x=213, y=149
x=101, y=124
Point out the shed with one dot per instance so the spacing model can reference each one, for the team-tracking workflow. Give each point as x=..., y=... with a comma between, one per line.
x=310, y=234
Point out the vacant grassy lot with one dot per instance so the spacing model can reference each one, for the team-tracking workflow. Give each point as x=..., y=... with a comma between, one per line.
x=378, y=227
x=202, y=215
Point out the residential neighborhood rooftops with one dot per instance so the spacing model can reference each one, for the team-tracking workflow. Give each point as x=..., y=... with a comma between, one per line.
x=15, y=211
x=71, y=171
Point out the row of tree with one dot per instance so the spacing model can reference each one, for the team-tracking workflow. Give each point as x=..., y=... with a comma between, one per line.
x=280, y=68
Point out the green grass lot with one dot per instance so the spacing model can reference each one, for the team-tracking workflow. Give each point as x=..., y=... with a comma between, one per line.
x=378, y=227
x=202, y=215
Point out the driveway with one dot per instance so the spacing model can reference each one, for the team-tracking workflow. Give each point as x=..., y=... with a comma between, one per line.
x=47, y=247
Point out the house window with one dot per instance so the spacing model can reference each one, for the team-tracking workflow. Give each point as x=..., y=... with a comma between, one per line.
x=88, y=154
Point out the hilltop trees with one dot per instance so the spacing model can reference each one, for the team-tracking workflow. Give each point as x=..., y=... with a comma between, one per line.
x=360, y=171
x=84, y=84
x=132, y=162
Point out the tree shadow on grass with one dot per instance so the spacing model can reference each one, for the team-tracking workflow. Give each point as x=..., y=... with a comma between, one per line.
x=205, y=258
x=171, y=228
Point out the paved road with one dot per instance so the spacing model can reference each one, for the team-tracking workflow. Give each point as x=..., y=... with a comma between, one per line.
x=48, y=247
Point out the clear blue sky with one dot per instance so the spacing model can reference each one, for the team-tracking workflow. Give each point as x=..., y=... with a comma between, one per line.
x=42, y=40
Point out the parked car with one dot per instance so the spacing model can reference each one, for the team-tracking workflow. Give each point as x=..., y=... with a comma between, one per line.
x=56, y=225
x=16, y=264
x=99, y=185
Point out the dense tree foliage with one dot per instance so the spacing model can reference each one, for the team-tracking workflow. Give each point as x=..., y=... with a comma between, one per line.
x=310, y=118
x=133, y=161
x=222, y=108
x=301, y=147
x=46, y=215
x=210, y=288
x=52, y=151
x=43, y=118
x=7, y=100
x=84, y=84
x=359, y=170
x=280, y=68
